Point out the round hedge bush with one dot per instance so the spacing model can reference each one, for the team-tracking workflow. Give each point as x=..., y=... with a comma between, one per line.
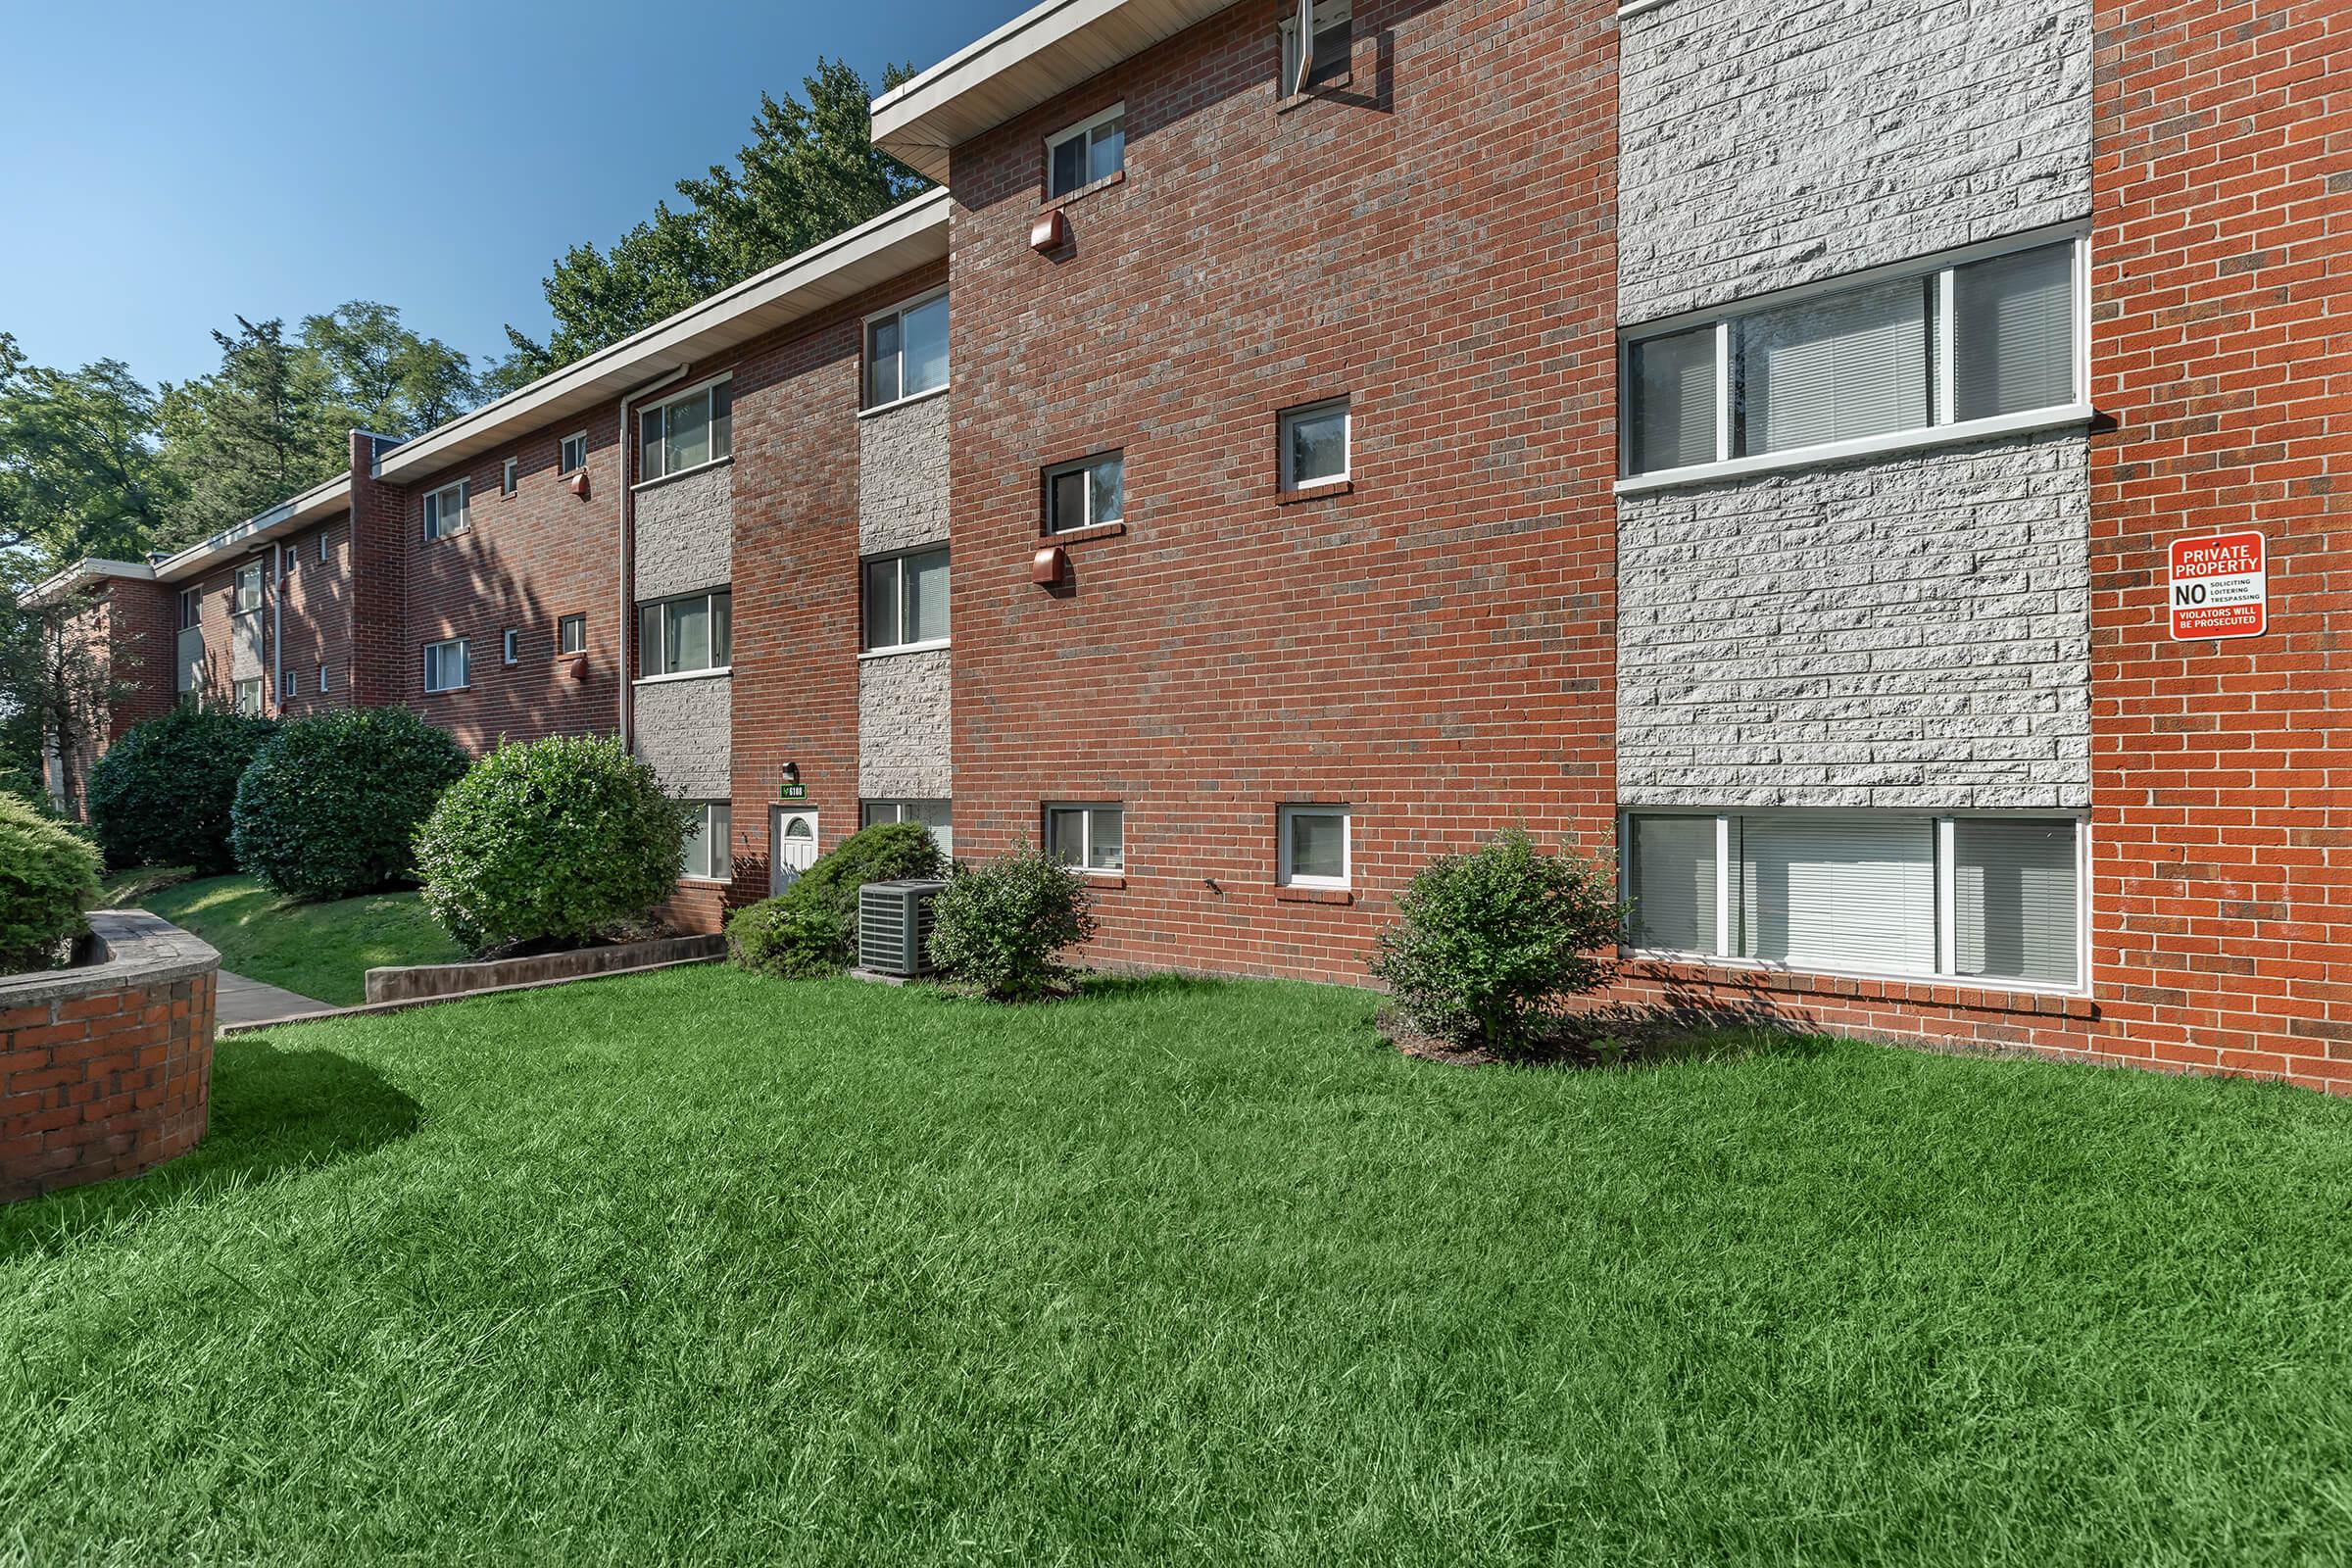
x=811, y=928
x=1001, y=926
x=163, y=794
x=558, y=839
x=1487, y=943
x=329, y=804
x=47, y=877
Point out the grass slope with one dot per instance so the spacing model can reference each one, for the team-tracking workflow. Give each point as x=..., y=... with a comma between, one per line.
x=695, y=1267
x=318, y=950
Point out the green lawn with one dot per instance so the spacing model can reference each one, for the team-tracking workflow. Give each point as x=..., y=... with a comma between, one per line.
x=320, y=950
x=698, y=1267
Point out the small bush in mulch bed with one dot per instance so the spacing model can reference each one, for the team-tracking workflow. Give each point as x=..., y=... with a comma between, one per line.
x=809, y=929
x=1489, y=946
x=999, y=928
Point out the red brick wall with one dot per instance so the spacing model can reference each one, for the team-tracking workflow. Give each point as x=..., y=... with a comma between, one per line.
x=1436, y=239
x=316, y=628
x=102, y=1085
x=2222, y=351
x=525, y=561
x=142, y=630
x=795, y=700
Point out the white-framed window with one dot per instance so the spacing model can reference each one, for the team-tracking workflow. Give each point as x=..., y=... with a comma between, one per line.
x=571, y=454
x=571, y=634
x=509, y=647
x=709, y=857
x=937, y=815
x=321, y=686
x=248, y=696
x=191, y=608
x=1316, y=846
x=323, y=544
x=249, y=588
x=684, y=432
x=907, y=600
x=1314, y=444
x=1091, y=150
x=1333, y=32
x=509, y=476
x=1880, y=892
x=446, y=511
x=293, y=683
x=1940, y=348
x=1090, y=491
x=689, y=633
x=447, y=666
x=907, y=350
x=1090, y=836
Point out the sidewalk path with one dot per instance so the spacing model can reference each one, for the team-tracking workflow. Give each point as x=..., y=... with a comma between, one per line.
x=241, y=1000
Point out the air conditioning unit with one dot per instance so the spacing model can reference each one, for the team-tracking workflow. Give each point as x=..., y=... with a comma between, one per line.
x=894, y=926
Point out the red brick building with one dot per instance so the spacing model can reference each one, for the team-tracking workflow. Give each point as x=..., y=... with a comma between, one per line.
x=1751, y=444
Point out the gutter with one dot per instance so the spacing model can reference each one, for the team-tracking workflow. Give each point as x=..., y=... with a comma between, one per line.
x=277, y=625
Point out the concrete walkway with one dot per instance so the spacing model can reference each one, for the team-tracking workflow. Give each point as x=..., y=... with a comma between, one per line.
x=242, y=1000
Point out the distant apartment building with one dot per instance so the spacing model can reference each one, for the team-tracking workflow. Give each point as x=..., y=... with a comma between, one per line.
x=1874, y=470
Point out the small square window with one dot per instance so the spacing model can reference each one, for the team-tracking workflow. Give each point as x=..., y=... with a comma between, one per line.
x=1317, y=849
x=1333, y=32
x=1091, y=150
x=507, y=484
x=1090, y=837
x=1081, y=495
x=447, y=665
x=511, y=647
x=572, y=456
x=1315, y=445
x=571, y=634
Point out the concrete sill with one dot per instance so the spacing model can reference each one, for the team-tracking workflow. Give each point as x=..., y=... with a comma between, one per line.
x=683, y=674
x=903, y=648
x=1117, y=177
x=901, y=403
x=2032, y=422
x=1634, y=8
x=1079, y=536
x=1289, y=895
x=1314, y=492
x=643, y=485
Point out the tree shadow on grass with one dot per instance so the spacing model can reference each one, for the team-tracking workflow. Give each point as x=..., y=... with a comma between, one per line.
x=274, y=1112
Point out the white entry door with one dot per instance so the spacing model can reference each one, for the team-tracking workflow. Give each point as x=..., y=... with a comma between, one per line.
x=791, y=845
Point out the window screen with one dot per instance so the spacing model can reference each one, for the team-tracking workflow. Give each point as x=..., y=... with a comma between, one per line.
x=2013, y=333
x=1672, y=381
x=1672, y=882
x=2014, y=900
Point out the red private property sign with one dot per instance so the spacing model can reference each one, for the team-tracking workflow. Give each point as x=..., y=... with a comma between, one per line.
x=2221, y=586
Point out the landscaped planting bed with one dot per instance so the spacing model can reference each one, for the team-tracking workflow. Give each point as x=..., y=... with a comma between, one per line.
x=322, y=949
x=703, y=1267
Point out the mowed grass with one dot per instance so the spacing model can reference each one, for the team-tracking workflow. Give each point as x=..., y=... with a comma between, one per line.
x=320, y=950
x=695, y=1267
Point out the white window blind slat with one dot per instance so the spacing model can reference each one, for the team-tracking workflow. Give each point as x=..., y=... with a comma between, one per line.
x=2012, y=322
x=1674, y=401
x=1673, y=883
x=2015, y=901
x=1838, y=891
x=1832, y=369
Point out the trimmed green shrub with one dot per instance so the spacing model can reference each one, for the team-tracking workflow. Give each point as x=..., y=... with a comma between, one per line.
x=329, y=804
x=811, y=928
x=1487, y=943
x=1001, y=926
x=163, y=794
x=48, y=877
x=566, y=838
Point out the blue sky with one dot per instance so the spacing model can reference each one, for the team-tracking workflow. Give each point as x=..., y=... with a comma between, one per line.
x=278, y=159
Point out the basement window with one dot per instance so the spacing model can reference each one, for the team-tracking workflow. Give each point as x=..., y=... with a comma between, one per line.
x=1334, y=31
x=1091, y=150
x=906, y=351
x=685, y=432
x=1317, y=848
x=1086, y=493
x=937, y=815
x=1886, y=893
x=1088, y=837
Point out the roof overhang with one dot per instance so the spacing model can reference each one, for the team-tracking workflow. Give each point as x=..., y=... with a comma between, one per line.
x=319, y=503
x=1043, y=52
x=905, y=237
x=87, y=573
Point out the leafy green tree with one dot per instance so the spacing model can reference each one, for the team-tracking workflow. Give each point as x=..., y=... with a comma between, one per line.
x=78, y=470
x=262, y=427
x=382, y=375
x=809, y=172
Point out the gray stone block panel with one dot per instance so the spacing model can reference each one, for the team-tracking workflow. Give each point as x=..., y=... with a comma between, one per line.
x=1766, y=145
x=1913, y=631
x=903, y=729
x=903, y=477
x=685, y=730
x=685, y=531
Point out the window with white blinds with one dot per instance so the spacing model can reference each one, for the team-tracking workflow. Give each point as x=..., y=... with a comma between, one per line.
x=1920, y=349
x=1871, y=892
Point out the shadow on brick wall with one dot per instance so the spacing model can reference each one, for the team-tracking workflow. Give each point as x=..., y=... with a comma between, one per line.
x=274, y=1114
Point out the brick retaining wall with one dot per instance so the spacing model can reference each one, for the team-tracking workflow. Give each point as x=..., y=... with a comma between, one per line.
x=105, y=1070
